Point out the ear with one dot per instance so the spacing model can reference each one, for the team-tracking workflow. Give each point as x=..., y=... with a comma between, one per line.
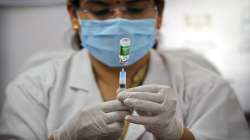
x=73, y=17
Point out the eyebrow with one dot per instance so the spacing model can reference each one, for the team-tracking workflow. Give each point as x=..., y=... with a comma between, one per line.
x=134, y=1
x=101, y=2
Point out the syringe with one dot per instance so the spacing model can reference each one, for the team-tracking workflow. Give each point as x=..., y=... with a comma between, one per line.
x=124, y=56
x=125, y=45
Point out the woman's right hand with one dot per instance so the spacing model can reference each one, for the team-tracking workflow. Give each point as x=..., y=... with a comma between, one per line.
x=100, y=122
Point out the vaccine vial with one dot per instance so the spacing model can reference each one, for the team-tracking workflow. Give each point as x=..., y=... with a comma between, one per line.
x=125, y=44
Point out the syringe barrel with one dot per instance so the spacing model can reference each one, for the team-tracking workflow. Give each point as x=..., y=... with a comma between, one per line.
x=122, y=79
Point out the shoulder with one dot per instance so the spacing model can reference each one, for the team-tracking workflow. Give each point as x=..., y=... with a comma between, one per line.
x=194, y=78
x=190, y=66
x=44, y=69
x=39, y=78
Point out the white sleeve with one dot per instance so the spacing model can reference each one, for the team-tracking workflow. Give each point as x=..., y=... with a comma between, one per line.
x=215, y=114
x=25, y=107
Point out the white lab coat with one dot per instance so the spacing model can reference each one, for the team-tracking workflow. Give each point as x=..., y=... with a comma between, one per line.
x=45, y=97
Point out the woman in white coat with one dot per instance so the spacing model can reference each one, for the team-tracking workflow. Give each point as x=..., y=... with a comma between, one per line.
x=76, y=97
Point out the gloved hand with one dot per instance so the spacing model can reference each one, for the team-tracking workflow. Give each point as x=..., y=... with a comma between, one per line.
x=156, y=106
x=100, y=122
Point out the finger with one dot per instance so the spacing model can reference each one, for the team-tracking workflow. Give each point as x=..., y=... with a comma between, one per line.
x=118, y=92
x=154, y=97
x=113, y=105
x=168, y=93
x=143, y=120
x=117, y=116
x=115, y=127
x=143, y=105
x=122, y=95
x=147, y=88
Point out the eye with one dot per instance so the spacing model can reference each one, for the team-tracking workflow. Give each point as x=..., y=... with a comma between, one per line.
x=135, y=10
x=102, y=12
x=97, y=8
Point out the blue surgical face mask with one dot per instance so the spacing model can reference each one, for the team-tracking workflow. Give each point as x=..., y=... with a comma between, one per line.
x=102, y=38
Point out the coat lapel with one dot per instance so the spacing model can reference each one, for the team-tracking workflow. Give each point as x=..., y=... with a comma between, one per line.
x=82, y=78
x=158, y=71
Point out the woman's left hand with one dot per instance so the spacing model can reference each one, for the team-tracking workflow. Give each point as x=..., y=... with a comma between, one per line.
x=156, y=106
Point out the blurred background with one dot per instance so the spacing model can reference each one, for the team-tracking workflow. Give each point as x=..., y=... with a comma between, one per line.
x=219, y=30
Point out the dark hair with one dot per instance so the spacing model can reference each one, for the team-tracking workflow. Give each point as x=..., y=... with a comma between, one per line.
x=75, y=3
x=159, y=4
